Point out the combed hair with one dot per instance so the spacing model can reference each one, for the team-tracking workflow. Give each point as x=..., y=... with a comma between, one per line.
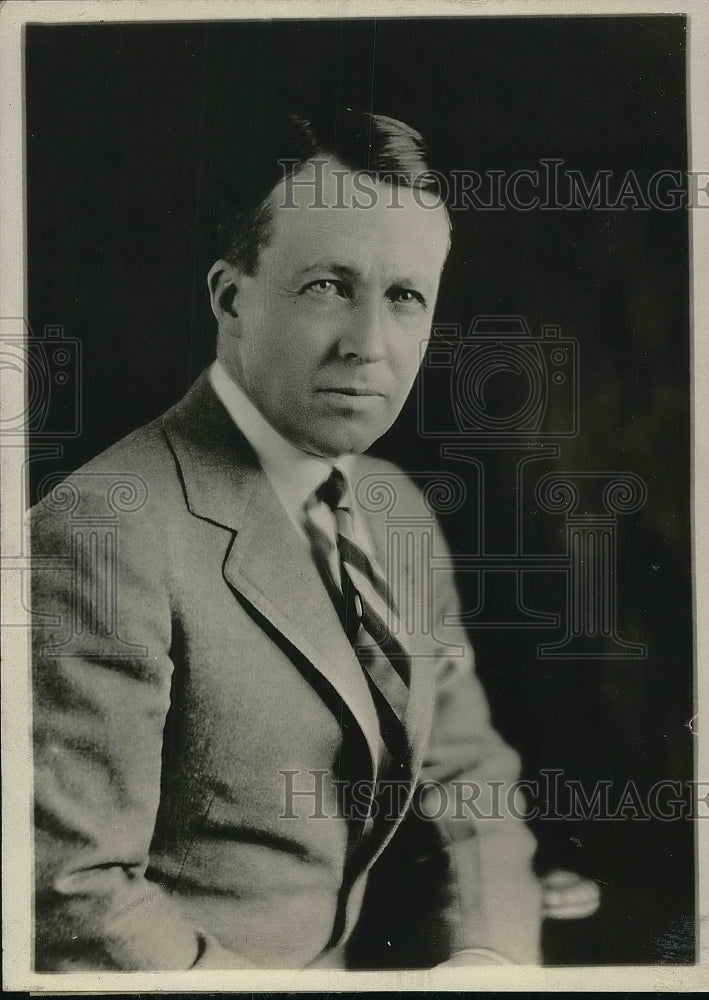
x=385, y=148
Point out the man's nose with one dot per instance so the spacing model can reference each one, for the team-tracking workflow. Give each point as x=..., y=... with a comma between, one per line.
x=364, y=336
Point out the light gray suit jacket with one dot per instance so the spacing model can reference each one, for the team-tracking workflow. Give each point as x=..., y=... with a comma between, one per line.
x=189, y=668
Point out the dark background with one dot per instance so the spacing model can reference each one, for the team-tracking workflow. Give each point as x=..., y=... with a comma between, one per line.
x=121, y=126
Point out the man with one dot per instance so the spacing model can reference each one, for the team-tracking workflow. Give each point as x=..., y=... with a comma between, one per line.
x=245, y=756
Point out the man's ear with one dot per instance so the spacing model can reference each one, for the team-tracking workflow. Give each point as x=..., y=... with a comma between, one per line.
x=223, y=283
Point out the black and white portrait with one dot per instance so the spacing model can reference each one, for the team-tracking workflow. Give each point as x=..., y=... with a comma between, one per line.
x=351, y=578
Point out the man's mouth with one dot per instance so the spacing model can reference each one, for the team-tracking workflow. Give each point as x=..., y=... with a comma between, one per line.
x=350, y=390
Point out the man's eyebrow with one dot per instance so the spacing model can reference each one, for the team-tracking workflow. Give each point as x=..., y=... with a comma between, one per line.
x=347, y=271
x=341, y=270
x=410, y=280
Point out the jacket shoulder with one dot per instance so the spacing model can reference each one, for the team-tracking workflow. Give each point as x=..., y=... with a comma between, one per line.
x=380, y=485
x=136, y=472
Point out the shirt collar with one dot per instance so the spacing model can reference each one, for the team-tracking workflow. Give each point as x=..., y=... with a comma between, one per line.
x=294, y=474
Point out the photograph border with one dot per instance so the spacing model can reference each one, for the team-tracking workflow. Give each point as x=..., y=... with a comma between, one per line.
x=17, y=784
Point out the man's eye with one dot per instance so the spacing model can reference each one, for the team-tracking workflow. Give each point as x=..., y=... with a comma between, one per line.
x=324, y=287
x=407, y=296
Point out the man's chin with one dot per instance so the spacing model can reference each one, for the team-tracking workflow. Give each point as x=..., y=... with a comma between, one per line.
x=332, y=442
x=333, y=449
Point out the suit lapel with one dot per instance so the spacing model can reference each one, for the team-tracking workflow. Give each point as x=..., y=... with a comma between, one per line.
x=273, y=568
x=268, y=563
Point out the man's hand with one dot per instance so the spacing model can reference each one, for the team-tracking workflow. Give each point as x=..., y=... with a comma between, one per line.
x=475, y=956
x=567, y=896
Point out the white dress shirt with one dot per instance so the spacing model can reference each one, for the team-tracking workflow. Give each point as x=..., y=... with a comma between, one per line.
x=293, y=473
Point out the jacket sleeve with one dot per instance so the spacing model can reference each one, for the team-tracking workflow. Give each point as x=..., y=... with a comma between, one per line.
x=488, y=895
x=101, y=680
x=458, y=873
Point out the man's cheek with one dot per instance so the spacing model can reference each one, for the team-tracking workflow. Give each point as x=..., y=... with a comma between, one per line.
x=409, y=369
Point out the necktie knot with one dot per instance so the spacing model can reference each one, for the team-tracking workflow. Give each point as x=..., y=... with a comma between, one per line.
x=333, y=491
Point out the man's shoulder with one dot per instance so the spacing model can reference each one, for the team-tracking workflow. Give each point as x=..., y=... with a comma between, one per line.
x=138, y=471
x=144, y=460
x=382, y=486
x=367, y=464
x=366, y=471
x=137, y=452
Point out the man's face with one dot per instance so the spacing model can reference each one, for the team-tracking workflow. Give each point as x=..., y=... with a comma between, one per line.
x=330, y=331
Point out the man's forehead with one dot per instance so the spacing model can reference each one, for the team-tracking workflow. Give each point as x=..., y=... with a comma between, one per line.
x=337, y=185
x=329, y=205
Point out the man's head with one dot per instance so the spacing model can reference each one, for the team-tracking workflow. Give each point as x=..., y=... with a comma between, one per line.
x=325, y=291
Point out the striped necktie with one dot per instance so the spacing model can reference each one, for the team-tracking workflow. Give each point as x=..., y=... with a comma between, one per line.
x=368, y=612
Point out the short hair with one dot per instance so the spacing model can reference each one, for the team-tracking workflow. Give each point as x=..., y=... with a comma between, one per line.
x=384, y=148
